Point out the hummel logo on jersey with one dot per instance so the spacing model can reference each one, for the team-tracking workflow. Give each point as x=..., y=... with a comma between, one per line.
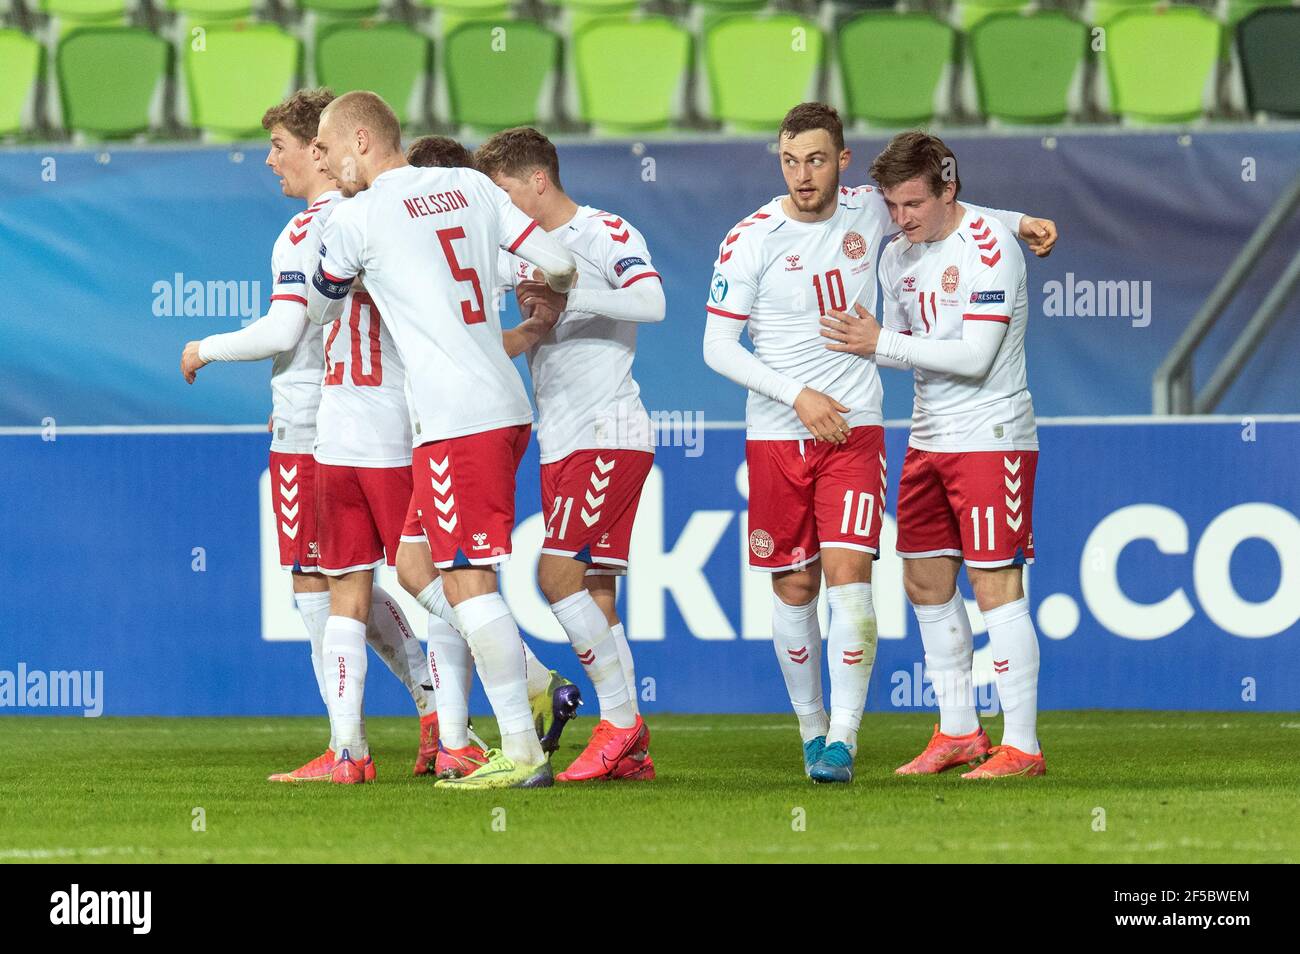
x=792, y=264
x=480, y=541
x=909, y=283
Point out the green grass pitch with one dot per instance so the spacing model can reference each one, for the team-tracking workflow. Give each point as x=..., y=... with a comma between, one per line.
x=1169, y=787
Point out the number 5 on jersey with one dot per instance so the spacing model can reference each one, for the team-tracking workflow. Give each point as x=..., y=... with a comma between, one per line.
x=472, y=312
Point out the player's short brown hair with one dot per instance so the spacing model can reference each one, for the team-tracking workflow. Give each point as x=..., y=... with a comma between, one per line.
x=362, y=109
x=300, y=113
x=809, y=116
x=517, y=153
x=913, y=154
x=442, y=151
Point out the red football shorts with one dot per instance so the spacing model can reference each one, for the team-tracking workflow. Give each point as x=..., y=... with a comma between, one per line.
x=412, y=531
x=977, y=505
x=806, y=495
x=360, y=512
x=465, y=493
x=293, y=484
x=590, y=500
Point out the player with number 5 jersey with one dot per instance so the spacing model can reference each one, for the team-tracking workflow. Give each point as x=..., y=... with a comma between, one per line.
x=427, y=241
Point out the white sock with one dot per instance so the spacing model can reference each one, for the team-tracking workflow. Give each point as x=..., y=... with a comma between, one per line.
x=345, y=680
x=588, y=632
x=625, y=659
x=539, y=677
x=314, y=608
x=797, y=636
x=851, y=653
x=1015, y=667
x=433, y=599
x=450, y=666
x=949, y=653
x=390, y=636
x=451, y=670
x=499, y=657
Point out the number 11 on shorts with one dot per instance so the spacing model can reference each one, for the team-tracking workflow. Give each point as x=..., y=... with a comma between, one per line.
x=975, y=524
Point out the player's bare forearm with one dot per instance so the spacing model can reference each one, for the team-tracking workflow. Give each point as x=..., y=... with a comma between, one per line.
x=523, y=337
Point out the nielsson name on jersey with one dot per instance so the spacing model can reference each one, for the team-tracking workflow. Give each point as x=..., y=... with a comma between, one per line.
x=434, y=204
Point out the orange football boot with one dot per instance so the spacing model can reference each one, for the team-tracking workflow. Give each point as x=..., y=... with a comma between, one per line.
x=945, y=751
x=317, y=770
x=458, y=763
x=348, y=771
x=1006, y=761
x=428, y=744
x=609, y=748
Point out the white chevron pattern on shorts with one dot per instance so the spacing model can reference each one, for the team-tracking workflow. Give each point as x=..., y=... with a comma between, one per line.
x=603, y=467
x=1013, y=487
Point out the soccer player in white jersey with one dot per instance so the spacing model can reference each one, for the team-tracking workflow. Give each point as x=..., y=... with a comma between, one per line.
x=297, y=347
x=593, y=432
x=427, y=241
x=815, y=441
x=554, y=699
x=955, y=309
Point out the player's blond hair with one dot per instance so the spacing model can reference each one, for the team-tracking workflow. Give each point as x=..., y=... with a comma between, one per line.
x=441, y=151
x=299, y=114
x=517, y=153
x=362, y=109
x=915, y=154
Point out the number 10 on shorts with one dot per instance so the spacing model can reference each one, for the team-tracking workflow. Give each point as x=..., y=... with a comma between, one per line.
x=865, y=510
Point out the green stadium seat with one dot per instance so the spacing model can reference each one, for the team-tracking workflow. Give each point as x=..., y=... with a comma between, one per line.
x=970, y=13
x=342, y=8
x=136, y=59
x=21, y=61
x=1102, y=12
x=1267, y=42
x=759, y=68
x=631, y=74
x=84, y=11
x=583, y=13
x=243, y=69
x=892, y=65
x=208, y=11
x=1026, y=66
x=498, y=71
x=1232, y=12
x=454, y=13
x=1160, y=63
x=390, y=59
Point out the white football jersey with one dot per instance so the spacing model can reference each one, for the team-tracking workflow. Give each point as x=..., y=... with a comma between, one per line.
x=932, y=290
x=363, y=419
x=295, y=374
x=427, y=240
x=782, y=276
x=582, y=370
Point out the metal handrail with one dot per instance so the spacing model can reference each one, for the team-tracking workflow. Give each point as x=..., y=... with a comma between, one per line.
x=1171, y=388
